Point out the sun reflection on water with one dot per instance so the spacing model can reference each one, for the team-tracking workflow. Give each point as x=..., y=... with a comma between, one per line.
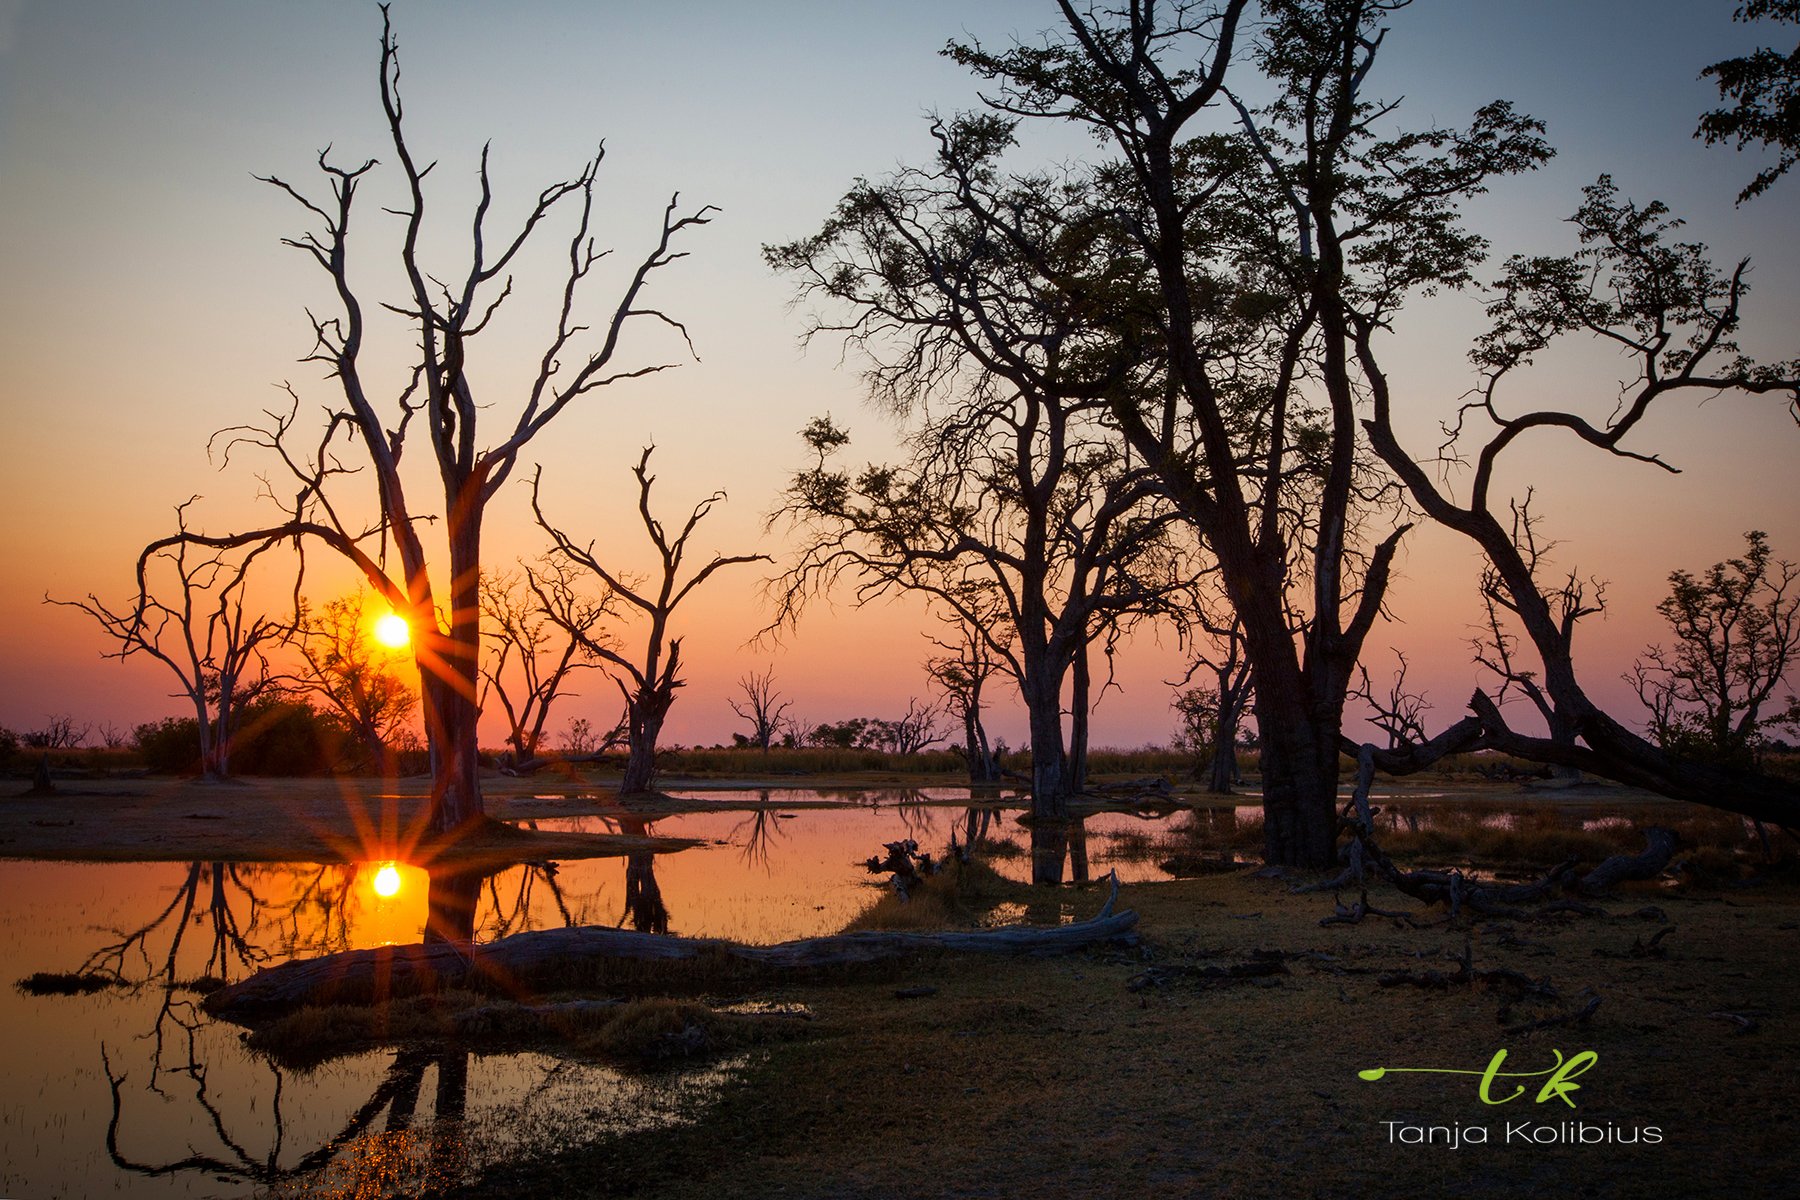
x=386, y=883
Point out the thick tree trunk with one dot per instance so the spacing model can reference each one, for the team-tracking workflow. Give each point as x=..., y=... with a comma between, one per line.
x=1049, y=786
x=977, y=751
x=448, y=671
x=640, y=768
x=1299, y=786
x=645, y=727
x=1222, y=772
x=215, y=761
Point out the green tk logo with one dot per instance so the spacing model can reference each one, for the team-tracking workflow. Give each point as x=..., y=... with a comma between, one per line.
x=1556, y=1087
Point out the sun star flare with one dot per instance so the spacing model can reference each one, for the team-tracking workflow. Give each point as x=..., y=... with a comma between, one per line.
x=393, y=632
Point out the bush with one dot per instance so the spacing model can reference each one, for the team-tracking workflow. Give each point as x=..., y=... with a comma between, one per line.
x=284, y=737
x=170, y=746
x=276, y=737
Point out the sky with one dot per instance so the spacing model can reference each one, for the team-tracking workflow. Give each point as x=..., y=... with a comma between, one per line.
x=146, y=301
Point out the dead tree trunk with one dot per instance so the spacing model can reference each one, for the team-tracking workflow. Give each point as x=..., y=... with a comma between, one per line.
x=557, y=956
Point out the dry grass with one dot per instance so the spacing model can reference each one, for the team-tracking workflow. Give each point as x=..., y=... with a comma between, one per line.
x=1149, y=1077
x=956, y=897
x=654, y=1032
x=66, y=983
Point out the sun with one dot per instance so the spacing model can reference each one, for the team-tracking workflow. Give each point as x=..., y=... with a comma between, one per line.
x=387, y=881
x=392, y=631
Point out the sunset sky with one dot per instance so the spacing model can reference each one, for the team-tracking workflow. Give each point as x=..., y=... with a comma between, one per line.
x=146, y=301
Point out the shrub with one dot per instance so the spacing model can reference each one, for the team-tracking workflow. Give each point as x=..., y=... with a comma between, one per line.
x=170, y=746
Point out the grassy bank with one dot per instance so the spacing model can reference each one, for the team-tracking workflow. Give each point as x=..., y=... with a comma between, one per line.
x=1154, y=1071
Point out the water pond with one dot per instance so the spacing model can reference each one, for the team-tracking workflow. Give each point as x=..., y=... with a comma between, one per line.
x=131, y=1089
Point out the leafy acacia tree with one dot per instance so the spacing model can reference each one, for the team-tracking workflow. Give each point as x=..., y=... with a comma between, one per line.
x=1737, y=635
x=1056, y=534
x=653, y=676
x=1673, y=315
x=1241, y=256
x=358, y=679
x=1762, y=90
x=448, y=306
x=1010, y=488
x=192, y=614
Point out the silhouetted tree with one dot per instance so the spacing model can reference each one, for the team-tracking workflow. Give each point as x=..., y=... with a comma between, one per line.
x=449, y=309
x=1212, y=714
x=1013, y=498
x=1763, y=91
x=961, y=673
x=1396, y=712
x=653, y=677
x=1663, y=305
x=1233, y=265
x=60, y=731
x=1737, y=636
x=355, y=676
x=1497, y=648
x=540, y=630
x=763, y=707
x=190, y=614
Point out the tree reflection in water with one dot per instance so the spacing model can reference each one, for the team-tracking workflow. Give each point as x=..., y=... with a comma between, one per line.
x=320, y=910
x=644, y=906
x=377, y=1165
x=757, y=834
x=515, y=915
x=140, y=961
x=247, y=931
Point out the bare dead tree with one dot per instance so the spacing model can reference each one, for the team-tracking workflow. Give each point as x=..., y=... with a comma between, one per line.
x=540, y=628
x=653, y=676
x=60, y=731
x=1496, y=646
x=961, y=673
x=191, y=614
x=1398, y=713
x=449, y=310
x=914, y=731
x=763, y=707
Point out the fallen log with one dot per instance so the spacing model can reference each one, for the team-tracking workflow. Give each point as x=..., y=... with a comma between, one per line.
x=1660, y=847
x=521, y=963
